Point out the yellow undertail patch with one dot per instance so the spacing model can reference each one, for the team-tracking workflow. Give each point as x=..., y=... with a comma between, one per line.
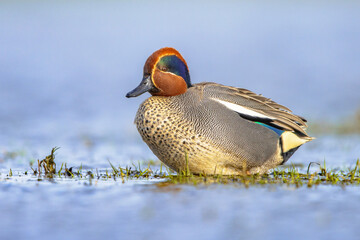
x=291, y=140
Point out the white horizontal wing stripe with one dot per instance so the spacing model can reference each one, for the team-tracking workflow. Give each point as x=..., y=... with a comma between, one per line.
x=242, y=110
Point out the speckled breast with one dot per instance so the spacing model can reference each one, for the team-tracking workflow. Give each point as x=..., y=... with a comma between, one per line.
x=173, y=138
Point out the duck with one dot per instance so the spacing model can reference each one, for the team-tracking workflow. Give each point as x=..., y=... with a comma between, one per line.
x=209, y=128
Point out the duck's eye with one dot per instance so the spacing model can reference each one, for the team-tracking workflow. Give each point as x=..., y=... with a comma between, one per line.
x=164, y=68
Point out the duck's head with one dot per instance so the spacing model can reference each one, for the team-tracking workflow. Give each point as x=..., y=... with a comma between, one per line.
x=165, y=74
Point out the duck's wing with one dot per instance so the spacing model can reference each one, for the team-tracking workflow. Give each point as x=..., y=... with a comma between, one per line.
x=254, y=107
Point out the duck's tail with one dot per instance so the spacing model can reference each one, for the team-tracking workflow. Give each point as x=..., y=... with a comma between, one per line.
x=290, y=142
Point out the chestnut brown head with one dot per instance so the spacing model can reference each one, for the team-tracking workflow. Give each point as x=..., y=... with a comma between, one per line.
x=165, y=74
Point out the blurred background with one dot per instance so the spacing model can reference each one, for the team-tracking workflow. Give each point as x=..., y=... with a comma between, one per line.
x=65, y=66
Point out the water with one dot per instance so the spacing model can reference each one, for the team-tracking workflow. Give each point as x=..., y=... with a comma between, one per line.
x=66, y=66
x=143, y=211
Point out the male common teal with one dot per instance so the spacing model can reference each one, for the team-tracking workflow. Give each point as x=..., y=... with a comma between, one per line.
x=211, y=128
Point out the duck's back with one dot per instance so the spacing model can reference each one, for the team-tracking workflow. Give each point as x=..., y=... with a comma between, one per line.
x=193, y=129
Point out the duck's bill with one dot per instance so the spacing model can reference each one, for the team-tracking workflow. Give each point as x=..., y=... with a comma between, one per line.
x=146, y=85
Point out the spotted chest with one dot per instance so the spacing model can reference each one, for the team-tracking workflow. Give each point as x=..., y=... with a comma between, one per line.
x=170, y=136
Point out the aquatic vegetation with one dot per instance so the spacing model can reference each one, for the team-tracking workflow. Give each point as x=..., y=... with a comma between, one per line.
x=48, y=163
x=291, y=175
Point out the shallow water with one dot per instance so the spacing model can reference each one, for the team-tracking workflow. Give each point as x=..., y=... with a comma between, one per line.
x=143, y=209
x=66, y=66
